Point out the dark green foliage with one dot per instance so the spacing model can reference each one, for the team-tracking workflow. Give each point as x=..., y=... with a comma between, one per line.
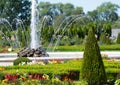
x=23, y=36
x=12, y=9
x=1, y=75
x=49, y=82
x=107, y=28
x=20, y=60
x=92, y=67
x=104, y=39
x=107, y=12
x=118, y=39
x=108, y=41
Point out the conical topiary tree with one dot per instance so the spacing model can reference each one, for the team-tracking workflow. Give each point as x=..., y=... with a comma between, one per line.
x=92, y=69
x=118, y=38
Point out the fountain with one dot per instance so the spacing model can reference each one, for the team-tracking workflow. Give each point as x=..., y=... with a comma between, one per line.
x=34, y=48
x=34, y=37
x=35, y=45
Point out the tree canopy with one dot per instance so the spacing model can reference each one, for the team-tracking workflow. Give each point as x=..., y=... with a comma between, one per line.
x=108, y=11
x=11, y=9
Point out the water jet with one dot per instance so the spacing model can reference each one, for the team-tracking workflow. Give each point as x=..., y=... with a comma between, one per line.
x=35, y=49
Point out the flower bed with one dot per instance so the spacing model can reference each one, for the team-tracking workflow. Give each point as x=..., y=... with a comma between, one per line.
x=53, y=71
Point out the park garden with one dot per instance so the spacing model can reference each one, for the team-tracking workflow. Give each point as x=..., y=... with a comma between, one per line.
x=93, y=69
x=60, y=27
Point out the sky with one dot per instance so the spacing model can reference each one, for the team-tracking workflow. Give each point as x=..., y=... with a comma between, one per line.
x=88, y=5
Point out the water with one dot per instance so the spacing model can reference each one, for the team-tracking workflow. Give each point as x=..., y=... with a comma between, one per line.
x=70, y=20
x=35, y=43
x=7, y=29
x=20, y=26
x=35, y=39
x=10, y=34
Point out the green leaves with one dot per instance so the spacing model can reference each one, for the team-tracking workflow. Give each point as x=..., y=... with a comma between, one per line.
x=107, y=11
x=118, y=39
x=11, y=9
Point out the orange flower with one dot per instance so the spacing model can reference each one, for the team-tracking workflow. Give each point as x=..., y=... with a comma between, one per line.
x=1, y=69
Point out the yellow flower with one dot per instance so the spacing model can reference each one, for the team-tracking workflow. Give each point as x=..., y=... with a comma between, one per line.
x=5, y=81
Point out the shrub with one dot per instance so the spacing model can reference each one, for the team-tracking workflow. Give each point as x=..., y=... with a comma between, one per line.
x=104, y=39
x=92, y=66
x=82, y=82
x=118, y=39
x=117, y=82
x=108, y=41
x=1, y=75
x=62, y=42
x=20, y=60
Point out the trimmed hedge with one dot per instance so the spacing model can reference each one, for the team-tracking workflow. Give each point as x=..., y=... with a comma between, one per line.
x=75, y=48
x=111, y=67
x=20, y=60
x=92, y=69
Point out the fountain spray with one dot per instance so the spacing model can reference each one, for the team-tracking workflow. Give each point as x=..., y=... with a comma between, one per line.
x=35, y=43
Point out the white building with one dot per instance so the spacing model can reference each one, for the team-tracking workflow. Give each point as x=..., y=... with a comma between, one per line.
x=115, y=32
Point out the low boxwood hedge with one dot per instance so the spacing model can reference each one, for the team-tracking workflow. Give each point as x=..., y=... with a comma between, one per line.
x=111, y=67
x=73, y=48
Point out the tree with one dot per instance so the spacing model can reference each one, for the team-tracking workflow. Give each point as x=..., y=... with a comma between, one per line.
x=104, y=39
x=93, y=15
x=107, y=28
x=116, y=24
x=44, y=8
x=11, y=9
x=92, y=69
x=108, y=41
x=67, y=9
x=58, y=21
x=118, y=39
x=108, y=12
x=77, y=11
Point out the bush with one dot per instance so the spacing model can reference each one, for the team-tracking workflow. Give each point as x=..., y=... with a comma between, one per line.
x=108, y=41
x=1, y=75
x=92, y=66
x=20, y=60
x=104, y=39
x=117, y=82
x=82, y=82
x=118, y=39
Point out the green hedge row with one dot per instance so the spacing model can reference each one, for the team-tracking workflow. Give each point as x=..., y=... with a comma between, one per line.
x=49, y=68
x=111, y=67
x=115, y=47
x=76, y=48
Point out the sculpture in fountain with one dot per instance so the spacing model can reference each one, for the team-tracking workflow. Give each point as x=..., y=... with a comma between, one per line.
x=35, y=45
